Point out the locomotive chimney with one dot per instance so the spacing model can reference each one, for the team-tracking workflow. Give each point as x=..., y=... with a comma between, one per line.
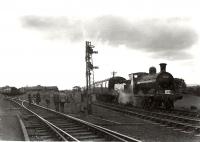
x=163, y=67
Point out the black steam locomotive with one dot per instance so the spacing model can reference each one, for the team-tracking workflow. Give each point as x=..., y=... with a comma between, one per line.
x=147, y=90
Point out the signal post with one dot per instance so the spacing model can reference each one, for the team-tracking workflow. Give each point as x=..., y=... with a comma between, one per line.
x=89, y=67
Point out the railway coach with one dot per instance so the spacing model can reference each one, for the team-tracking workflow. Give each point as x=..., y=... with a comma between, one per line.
x=10, y=91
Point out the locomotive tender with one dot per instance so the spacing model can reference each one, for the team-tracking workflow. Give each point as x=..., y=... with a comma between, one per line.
x=147, y=90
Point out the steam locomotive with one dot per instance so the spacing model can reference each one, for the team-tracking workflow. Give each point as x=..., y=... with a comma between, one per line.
x=147, y=90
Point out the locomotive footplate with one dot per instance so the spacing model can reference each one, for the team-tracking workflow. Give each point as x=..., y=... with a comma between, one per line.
x=161, y=96
x=173, y=97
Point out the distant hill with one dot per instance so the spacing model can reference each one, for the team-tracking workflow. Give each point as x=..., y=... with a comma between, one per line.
x=190, y=85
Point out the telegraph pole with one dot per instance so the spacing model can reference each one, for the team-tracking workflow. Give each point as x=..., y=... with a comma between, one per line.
x=113, y=74
x=89, y=68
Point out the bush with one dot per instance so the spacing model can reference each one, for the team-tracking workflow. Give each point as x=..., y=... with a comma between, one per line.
x=195, y=90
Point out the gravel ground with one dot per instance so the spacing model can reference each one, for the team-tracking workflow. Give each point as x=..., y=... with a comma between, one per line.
x=10, y=129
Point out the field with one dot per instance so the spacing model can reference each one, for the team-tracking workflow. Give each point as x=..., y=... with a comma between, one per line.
x=188, y=101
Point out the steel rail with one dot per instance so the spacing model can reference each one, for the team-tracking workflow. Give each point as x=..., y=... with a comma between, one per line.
x=50, y=124
x=156, y=119
x=181, y=112
x=116, y=135
x=53, y=127
x=154, y=113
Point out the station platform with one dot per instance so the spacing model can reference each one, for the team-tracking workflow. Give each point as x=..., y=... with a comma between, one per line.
x=10, y=128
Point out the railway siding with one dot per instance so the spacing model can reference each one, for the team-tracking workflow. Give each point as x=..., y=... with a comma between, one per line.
x=69, y=126
x=144, y=129
x=175, y=121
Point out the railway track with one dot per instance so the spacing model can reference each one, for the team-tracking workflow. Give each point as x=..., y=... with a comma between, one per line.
x=183, y=123
x=50, y=125
x=181, y=113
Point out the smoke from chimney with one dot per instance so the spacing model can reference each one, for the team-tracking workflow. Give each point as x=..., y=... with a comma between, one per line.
x=163, y=67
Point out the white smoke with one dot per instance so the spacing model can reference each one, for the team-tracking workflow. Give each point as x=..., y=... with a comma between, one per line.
x=124, y=98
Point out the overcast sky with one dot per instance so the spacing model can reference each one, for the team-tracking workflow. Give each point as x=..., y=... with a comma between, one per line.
x=43, y=41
